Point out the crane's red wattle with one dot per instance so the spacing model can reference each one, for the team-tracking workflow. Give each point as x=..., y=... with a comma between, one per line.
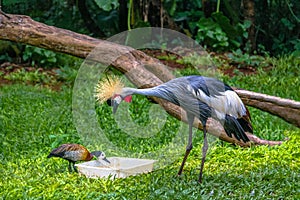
x=128, y=99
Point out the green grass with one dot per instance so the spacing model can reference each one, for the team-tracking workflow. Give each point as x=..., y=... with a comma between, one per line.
x=33, y=120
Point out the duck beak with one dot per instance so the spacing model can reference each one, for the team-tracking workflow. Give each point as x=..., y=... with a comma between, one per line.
x=105, y=159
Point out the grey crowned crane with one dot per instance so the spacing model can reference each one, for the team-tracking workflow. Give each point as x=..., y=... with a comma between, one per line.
x=201, y=97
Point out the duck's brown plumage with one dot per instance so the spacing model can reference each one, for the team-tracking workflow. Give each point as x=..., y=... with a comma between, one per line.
x=72, y=153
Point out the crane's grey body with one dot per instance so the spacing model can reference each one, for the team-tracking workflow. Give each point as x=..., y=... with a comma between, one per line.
x=201, y=97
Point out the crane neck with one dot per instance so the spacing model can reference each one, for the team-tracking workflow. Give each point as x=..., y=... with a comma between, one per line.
x=160, y=91
x=147, y=91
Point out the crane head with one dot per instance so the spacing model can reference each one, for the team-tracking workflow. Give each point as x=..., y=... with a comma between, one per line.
x=110, y=90
x=116, y=101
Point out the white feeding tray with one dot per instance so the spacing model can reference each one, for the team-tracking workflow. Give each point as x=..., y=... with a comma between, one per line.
x=119, y=167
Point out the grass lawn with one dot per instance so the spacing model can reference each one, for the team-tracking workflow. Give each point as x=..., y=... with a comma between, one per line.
x=33, y=120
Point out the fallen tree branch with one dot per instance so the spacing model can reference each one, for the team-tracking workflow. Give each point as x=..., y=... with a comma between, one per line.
x=286, y=109
x=23, y=29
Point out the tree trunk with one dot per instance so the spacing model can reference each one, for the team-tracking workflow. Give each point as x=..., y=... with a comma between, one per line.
x=208, y=7
x=163, y=19
x=249, y=14
x=23, y=29
x=123, y=14
x=88, y=21
x=147, y=11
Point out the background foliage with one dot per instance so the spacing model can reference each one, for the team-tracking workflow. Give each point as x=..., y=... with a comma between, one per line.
x=219, y=25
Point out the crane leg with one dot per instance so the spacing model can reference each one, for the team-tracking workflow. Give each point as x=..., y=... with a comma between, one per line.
x=189, y=145
x=204, y=151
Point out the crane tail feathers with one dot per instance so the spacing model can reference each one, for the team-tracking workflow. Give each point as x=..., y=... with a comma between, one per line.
x=232, y=126
x=245, y=122
x=246, y=125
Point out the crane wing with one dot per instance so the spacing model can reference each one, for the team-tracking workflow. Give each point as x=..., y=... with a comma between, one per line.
x=217, y=95
x=221, y=98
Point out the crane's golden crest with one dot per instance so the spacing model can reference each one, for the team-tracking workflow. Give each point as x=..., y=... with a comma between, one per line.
x=108, y=87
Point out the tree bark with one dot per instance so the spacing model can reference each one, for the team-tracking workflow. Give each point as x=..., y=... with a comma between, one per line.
x=123, y=14
x=134, y=63
x=208, y=7
x=89, y=22
x=146, y=11
x=286, y=109
x=163, y=20
x=249, y=14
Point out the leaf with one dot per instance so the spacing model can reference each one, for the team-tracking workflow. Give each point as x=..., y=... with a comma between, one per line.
x=224, y=23
x=173, y=8
x=287, y=23
x=247, y=24
x=107, y=5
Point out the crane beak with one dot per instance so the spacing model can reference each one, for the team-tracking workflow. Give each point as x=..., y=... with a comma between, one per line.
x=115, y=105
x=115, y=102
